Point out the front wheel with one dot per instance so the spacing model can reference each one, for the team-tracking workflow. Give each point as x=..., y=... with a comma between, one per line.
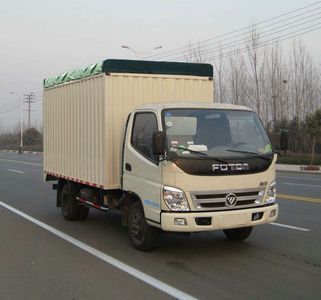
x=141, y=234
x=238, y=234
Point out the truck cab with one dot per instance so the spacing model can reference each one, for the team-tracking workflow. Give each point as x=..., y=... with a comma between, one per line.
x=197, y=167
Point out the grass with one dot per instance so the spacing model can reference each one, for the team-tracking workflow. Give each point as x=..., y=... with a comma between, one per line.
x=299, y=159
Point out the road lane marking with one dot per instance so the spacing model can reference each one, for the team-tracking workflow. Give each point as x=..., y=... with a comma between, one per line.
x=301, y=178
x=16, y=171
x=152, y=281
x=299, y=184
x=299, y=198
x=21, y=162
x=290, y=226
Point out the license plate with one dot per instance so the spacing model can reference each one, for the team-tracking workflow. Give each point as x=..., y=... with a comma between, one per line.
x=234, y=220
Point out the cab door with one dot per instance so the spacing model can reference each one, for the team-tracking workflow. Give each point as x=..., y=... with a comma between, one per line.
x=141, y=169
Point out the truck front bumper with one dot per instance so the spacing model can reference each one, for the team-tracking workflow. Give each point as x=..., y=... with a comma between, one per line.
x=206, y=221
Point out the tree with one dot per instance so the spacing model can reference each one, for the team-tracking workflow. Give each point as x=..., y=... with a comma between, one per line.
x=282, y=87
x=220, y=80
x=197, y=53
x=32, y=136
x=237, y=80
x=313, y=123
x=256, y=67
x=304, y=82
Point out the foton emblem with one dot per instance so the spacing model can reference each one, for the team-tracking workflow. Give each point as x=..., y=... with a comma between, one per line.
x=230, y=167
x=230, y=200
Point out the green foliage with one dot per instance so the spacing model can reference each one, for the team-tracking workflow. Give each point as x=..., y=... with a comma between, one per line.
x=9, y=139
x=32, y=140
x=313, y=128
x=301, y=133
x=313, y=124
x=32, y=136
x=298, y=159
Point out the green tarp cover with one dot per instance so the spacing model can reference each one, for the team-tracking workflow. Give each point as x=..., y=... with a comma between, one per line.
x=132, y=66
x=73, y=75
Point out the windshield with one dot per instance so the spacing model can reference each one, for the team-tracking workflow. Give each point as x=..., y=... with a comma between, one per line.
x=215, y=133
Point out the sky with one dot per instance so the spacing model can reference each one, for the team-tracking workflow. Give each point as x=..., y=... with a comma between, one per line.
x=40, y=38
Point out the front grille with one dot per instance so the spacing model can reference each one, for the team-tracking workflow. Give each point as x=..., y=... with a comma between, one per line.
x=211, y=200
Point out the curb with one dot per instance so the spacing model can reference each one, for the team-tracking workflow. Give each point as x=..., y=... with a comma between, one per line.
x=295, y=169
x=300, y=171
x=24, y=152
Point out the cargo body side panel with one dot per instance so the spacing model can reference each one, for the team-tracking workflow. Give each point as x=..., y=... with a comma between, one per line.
x=126, y=92
x=84, y=120
x=74, y=143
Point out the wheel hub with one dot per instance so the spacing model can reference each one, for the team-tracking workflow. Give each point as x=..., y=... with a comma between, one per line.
x=136, y=226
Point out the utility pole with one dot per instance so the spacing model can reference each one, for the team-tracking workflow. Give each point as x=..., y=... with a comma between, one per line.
x=29, y=99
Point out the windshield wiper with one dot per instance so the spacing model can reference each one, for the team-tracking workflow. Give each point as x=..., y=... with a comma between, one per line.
x=249, y=152
x=200, y=153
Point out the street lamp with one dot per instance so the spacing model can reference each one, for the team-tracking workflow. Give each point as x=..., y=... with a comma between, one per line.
x=140, y=54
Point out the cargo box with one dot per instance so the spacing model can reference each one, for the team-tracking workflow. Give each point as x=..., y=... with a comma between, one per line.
x=85, y=113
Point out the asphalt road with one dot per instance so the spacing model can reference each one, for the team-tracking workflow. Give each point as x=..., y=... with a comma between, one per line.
x=94, y=259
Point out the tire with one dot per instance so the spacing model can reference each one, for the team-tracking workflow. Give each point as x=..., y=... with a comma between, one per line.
x=84, y=212
x=238, y=234
x=141, y=234
x=70, y=208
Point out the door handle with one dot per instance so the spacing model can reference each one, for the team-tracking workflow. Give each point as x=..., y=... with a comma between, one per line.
x=128, y=167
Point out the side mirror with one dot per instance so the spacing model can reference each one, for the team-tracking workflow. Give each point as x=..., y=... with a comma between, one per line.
x=159, y=143
x=172, y=156
x=284, y=140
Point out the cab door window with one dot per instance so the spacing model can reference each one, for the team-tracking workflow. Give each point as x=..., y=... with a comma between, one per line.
x=145, y=124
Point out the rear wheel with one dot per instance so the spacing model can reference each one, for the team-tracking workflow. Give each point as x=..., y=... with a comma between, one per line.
x=238, y=234
x=70, y=208
x=141, y=234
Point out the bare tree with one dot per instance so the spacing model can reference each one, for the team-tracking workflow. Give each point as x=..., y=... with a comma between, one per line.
x=196, y=54
x=275, y=83
x=220, y=79
x=276, y=86
x=304, y=82
x=256, y=63
x=238, y=80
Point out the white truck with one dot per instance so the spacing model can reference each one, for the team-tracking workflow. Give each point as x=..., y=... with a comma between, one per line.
x=146, y=138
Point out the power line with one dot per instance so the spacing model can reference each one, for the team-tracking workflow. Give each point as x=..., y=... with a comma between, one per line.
x=267, y=42
x=187, y=48
x=235, y=31
x=7, y=111
x=262, y=34
x=8, y=103
x=269, y=33
x=15, y=102
x=272, y=24
x=10, y=110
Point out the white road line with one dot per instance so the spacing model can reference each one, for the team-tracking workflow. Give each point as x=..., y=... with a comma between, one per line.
x=301, y=178
x=309, y=185
x=290, y=227
x=16, y=171
x=106, y=258
x=21, y=162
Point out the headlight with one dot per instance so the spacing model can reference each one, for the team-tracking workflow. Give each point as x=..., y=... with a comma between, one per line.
x=175, y=199
x=271, y=194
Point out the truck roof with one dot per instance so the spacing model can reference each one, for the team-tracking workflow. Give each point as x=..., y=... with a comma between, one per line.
x=132, y=66
x=173, y=105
